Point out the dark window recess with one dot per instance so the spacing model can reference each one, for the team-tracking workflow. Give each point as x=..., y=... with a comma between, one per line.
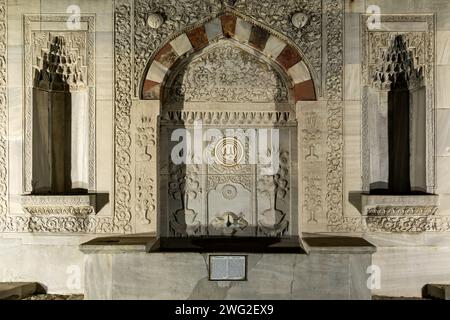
x=398, y=136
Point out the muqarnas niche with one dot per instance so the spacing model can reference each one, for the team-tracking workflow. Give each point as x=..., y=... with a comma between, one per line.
x=397, y=123
x=60, y=122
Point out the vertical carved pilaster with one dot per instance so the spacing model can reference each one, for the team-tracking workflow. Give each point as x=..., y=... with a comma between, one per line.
x=334, y=16
x=312, y=116
x=145, y=117
x=122, y=114
x=3, y=116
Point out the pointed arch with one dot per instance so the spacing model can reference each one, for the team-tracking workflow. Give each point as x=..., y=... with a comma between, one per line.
x=227, y=25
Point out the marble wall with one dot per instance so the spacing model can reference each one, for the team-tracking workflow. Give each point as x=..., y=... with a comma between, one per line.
x=330, y=131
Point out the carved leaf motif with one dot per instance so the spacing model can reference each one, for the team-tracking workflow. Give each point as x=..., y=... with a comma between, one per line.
x=228, y=73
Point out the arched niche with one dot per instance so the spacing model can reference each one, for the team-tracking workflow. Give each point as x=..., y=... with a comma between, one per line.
x=228, y=26
x=226, y=76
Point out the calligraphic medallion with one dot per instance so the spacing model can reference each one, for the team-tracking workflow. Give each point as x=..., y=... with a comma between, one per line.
x=229, y=151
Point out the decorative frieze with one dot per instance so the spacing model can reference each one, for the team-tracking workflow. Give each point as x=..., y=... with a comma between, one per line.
x=401, y=213
x=227, y=117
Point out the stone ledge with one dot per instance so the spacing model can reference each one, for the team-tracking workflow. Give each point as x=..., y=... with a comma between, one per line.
x=294, y=245
x=337, y=244
x=118, y=244
x=373, y=201
x=59, y=204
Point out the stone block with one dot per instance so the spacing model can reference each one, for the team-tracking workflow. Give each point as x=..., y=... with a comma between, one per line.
x=17, y=290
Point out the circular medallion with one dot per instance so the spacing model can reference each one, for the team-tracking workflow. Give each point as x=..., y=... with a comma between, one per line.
x=299, y=20
x=229, y=192
x=229, y=151
x=155, y=20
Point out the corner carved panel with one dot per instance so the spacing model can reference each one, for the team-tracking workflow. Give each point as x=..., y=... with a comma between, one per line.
x=82, y=44
x=178, y=15
x=277, y=15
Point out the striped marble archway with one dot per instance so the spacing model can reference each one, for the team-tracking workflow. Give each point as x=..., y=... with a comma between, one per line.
x=229, y=26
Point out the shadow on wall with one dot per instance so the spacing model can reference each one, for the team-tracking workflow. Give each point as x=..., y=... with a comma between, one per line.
x=102, y=199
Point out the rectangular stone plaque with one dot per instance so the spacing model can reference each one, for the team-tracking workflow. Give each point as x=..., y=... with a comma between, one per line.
x=228, y=268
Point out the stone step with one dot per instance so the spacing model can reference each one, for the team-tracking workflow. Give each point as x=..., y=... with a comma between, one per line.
x=17, y=290
x=437, y=291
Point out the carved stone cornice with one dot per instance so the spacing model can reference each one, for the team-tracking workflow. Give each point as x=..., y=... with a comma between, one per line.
x=227, y=117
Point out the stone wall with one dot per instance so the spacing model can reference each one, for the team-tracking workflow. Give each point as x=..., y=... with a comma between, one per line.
x=119, y=43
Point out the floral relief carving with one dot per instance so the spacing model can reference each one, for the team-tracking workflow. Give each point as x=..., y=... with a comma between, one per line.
x=278, y=15
x=177, y=15
x=184, y=187
x=135, y=43
x=145, y=182
x=273, y=222
x=334, y=177
x=312, y=136
x=3, y=117
x=123, y=93
x=334, y=11
x=313, y=198
x=228, y=73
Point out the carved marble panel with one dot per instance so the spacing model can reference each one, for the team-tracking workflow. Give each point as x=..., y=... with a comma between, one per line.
x=277, y=15
x=178, y=15
x=224, y=198
x=131, y=59
x=228, y=73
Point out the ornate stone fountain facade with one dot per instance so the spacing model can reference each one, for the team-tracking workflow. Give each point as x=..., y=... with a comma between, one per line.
x=305, y=68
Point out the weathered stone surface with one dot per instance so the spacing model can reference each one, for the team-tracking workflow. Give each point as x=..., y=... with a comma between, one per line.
x=437, y=291
x=17, y=290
